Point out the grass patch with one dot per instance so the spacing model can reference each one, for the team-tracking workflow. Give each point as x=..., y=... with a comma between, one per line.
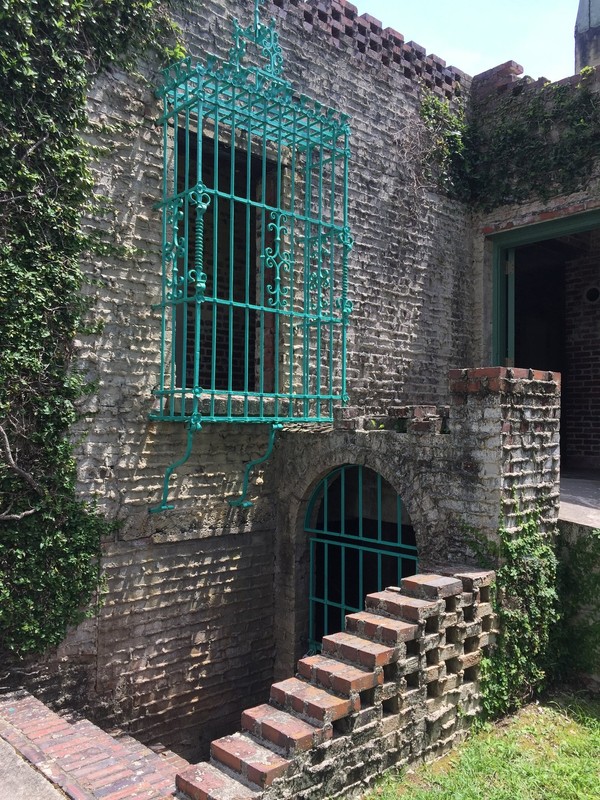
x=548, y=751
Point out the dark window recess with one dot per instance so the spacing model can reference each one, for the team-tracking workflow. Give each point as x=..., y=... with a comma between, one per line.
x=228, y=322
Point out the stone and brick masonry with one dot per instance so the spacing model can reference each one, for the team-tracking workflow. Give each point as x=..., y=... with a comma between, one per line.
x=207, y=604
x=400, y=684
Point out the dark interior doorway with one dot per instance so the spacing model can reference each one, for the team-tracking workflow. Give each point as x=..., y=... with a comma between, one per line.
x=552, y=322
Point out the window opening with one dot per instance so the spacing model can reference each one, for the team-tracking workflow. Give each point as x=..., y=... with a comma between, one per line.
x=361, y=540
x=254, y=301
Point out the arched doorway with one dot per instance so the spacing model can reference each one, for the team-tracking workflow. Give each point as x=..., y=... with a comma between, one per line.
x=361, y=539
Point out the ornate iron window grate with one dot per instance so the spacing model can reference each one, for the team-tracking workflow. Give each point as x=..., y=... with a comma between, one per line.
x=256, y=239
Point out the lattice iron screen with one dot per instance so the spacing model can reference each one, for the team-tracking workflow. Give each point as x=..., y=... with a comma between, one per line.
x=361, y=540
x=255, y=243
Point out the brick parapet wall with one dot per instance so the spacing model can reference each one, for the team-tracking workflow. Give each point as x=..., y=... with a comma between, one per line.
x=369, y=42
x=523, y=405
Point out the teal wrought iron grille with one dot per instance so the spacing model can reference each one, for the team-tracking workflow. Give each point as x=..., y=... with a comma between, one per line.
x=255, y=233
x=255, y=243
x=361, y=540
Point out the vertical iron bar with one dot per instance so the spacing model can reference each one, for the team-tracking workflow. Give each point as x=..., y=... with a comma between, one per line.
x=248, y=270
x=215, y=276
x=378, y=507
x=281, y=296
x=306, y=274
x=186, y=253
x=165, y=182
x=360, y=500
x=199, y=259
x=263, y=238
x=174, y=268
x=343, y=502
x=345, y=266
x=292, y=206
x=231, y=251
x=326, y=588
x=332, y=279
x=319, y=307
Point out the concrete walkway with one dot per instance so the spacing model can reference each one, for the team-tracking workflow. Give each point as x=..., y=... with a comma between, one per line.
x=580, y=498
x=20, y=781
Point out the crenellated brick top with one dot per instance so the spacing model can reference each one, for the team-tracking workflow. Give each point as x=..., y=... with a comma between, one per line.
x=490, y=380
x=365, y=35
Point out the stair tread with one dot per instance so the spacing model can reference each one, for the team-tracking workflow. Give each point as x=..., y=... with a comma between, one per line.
x=206, y=782
x=358, y=650
x=374, y=625
x=430, y=586
x=412, y=609
x=282, y=729
x=337, y=675
x=311, y=701
x=240, y=753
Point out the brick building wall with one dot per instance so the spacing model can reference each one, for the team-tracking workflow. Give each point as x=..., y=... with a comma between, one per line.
x=206, y=602
x=582, y=385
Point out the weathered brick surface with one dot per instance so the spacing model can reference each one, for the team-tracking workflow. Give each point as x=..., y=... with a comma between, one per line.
x=423, y=709
x=82, y=760
x=207, y=603
x=282, y=729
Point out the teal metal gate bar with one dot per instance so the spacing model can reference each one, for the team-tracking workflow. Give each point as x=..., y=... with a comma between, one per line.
x=361, y=540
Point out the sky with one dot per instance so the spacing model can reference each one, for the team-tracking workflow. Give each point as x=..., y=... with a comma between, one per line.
x=475, y=35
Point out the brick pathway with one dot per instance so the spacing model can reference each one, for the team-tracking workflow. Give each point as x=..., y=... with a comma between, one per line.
x=83, y=761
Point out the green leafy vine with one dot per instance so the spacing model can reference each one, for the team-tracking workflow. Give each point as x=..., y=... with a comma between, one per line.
x=533, y=144
x=446, y=126
x=50, y=51
x=525, y=601
x=526, y=143
x=576, y=638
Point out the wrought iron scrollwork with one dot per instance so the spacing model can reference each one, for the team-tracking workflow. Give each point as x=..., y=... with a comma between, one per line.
x=278, y=259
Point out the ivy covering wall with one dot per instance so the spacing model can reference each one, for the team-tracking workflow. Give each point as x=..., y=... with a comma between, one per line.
x=50, y=51
x=523, y=143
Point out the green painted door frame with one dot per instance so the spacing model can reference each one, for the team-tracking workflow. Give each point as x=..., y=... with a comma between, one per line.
x=503, y=260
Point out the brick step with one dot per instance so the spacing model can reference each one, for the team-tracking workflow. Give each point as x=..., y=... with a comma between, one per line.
x=410, y=609
x=207, y=782
x=362, y=652
x=378, y=628
x=80, y=758
x=255, y=763
x=310, y=702
x=431, y=587
x=337, y=676
x=285, y=731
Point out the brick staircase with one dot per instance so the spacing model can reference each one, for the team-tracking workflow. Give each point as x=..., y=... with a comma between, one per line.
x=402, y=669
x=400, y=684
x=82, y=760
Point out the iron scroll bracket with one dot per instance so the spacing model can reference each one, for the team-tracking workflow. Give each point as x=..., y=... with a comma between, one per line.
x=241, y=501
x=193, y=425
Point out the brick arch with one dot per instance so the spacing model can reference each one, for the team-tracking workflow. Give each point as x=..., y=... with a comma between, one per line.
x=297, y=477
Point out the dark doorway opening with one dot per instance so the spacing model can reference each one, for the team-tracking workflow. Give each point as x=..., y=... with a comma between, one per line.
x=549, y=314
